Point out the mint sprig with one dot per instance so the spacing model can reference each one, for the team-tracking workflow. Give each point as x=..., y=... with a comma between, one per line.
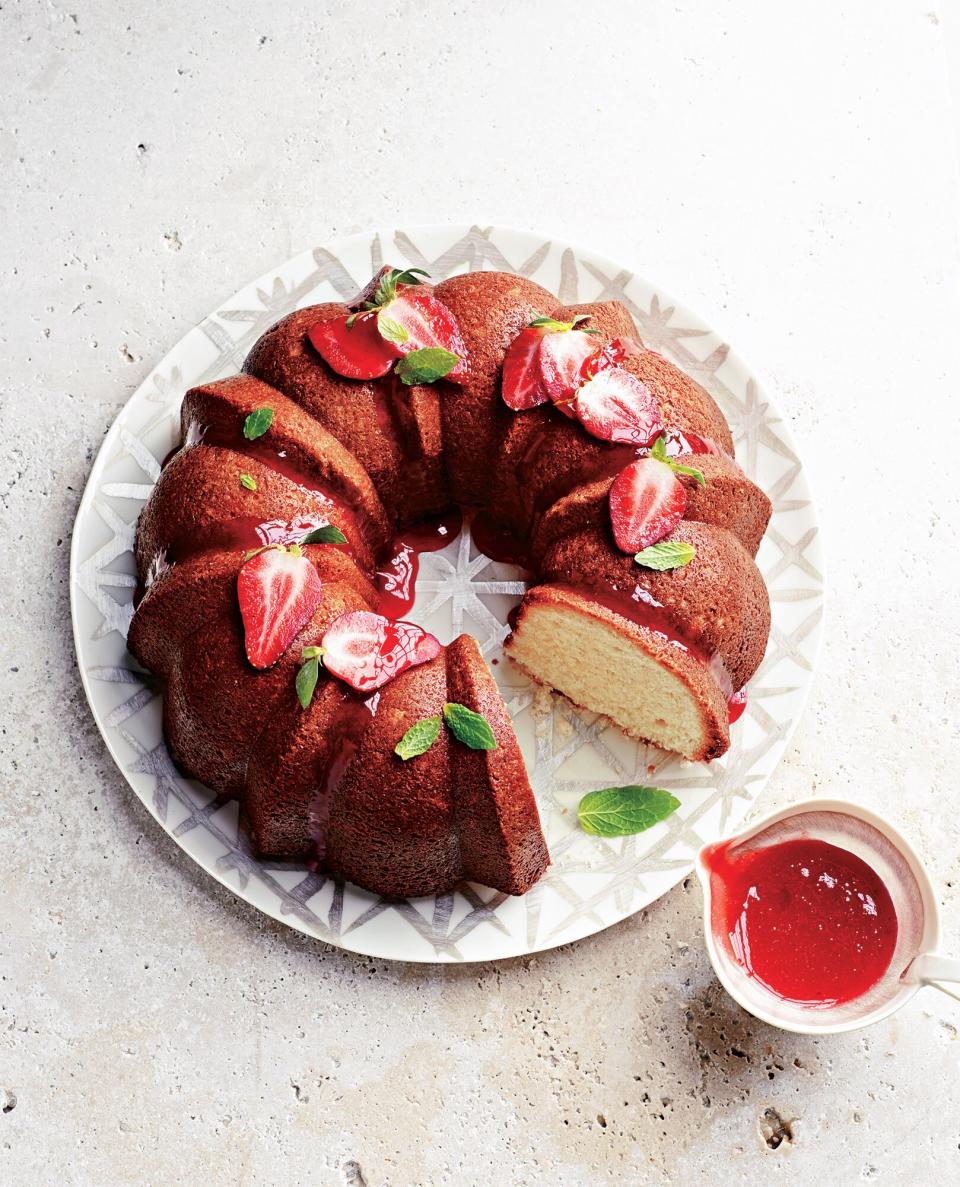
x=426, y=365
x=659, y=451
x=308, y=675
x=392, y=330
x=248, y=481
x=668, y=554
x=560, y=327
x=328, y=534
x=468, y=727
x=257, y=423
x=623, y=811
x=419, y=738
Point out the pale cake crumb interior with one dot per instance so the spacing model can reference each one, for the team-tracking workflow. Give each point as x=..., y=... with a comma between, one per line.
x=592, y=664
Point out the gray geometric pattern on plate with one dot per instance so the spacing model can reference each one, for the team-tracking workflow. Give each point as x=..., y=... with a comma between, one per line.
x=592, y=882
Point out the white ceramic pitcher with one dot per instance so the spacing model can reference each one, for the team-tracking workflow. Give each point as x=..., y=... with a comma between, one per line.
x=916, y=961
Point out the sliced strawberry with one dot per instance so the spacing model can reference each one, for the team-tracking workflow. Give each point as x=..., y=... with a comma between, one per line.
x=278, y=590
x=615, y=406
x=647, y=501
x=522, y=386
x=611, y=355
x=423, y=322
x=367, y=650
x=357, y=350
x=562, y=354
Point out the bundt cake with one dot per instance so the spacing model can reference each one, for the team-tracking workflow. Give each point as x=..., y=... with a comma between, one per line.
x=351, y=737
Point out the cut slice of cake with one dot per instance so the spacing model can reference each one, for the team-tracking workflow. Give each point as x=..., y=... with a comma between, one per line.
x=654, y=687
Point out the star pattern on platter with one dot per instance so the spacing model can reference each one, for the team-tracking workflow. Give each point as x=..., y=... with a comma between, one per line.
x=592, y=882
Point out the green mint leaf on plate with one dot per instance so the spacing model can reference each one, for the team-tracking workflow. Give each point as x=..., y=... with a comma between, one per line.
x=472, y=729
x=392, y=330
x=248, y=481
x=257, y=423
x=328, y=534
x=668, y=554
x=623, y=811
x=419, y=738
x=307, y=678
x=427, y=365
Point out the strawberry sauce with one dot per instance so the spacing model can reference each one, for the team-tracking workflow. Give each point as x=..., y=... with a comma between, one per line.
x=248, y=532
x=397, y=578
x=497, y=542
x=245, y=532
x=812, y=922
x=737, y=705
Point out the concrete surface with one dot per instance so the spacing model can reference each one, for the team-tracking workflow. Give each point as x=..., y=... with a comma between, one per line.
x=790, y=171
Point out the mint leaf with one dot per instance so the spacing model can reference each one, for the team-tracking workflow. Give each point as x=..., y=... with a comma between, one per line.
x=257, y=423
x=427, y=365
x=559, y=327
x=328, y=534
x=659, y=451
x=419, y=738
x=248, y=481
x=623, y=811
x=312, y=652
x=668, y=554
x=472, y=729
x=690, y=471
x=549, y=323
x=392, y=330
x=307, y=678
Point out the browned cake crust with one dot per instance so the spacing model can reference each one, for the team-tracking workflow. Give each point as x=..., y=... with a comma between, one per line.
x=500, y=839
x=491, y=308
x=729, y=500
x=394, y=433
x=391, y=826
x=189, y=593
x=682, y=400
x=368, y=456
x=217, y=706
x=313, y=454
x=718, y=601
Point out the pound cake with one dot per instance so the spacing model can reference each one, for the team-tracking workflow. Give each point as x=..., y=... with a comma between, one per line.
x=277, y=558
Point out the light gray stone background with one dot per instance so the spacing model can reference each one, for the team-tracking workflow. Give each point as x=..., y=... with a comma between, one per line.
x=790, y=171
